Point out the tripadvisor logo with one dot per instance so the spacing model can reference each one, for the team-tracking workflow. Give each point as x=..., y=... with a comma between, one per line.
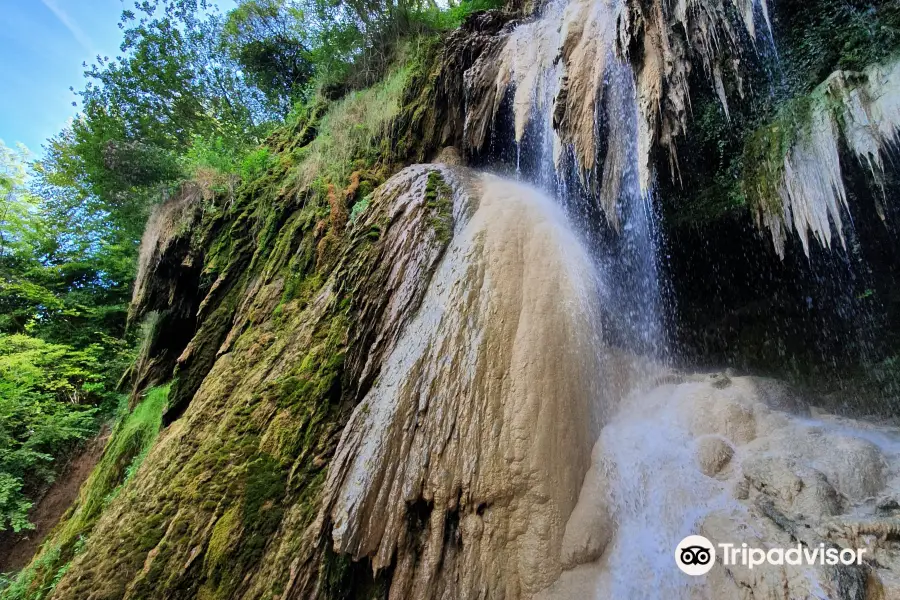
x=696, y=555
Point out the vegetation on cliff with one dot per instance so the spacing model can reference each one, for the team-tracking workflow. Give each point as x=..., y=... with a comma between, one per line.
x=750, y=143
x=274, y=118
x=253, y=245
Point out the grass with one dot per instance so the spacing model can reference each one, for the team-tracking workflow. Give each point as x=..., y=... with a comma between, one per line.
x=349, y=133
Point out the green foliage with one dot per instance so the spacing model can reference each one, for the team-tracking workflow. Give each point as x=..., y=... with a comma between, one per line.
x=271, y=42
x=24, y=586
x=816, y=39
x=131, y=441
x=63, y=299
x=45, y=393
x=255, y=163
x=351, y=134
x=439, y=202
x=129, y=444
x=211, y=153
x=18, y=228
x=218, y=155
x=435, y=18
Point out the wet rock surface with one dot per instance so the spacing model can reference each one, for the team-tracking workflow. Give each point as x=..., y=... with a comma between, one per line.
x=737, y=471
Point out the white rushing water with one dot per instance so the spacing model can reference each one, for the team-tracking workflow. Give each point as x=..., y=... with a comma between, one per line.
x=597, y=89
x=703, y=455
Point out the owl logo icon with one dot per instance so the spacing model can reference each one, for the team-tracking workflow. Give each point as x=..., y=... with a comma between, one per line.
x=695, y=555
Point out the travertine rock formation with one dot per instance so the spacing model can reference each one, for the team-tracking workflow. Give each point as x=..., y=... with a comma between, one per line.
x=737, y=460
x=462, y=464
x=223, y=505
x=798, y=183
x=596, y=66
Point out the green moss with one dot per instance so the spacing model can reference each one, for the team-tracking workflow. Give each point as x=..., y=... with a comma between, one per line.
x=818, y=37
x=351, y=133
x=344, y=579
x=439, y=202
x=766, y=147
x=128, y=447
x=245, y=463
x=360, y=207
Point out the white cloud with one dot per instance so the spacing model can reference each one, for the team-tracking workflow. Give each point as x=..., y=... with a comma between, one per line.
x=80, y=36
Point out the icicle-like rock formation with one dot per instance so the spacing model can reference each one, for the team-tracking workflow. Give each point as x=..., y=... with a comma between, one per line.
x=559, y=69
x=565, y=64
x=664, y=39
x=796, y=179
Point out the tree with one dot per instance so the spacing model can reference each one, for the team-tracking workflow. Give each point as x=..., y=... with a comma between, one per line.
x=270, y=42
x=59, y=358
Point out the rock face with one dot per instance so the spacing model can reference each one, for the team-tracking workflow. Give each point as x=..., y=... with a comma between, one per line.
x=415, y=399
x=166, y=286
x=803, y=191
x=424, y=406
x=222, y=506
x=462, y=464
x=415, y=418
x=667, y=40
x=587, y=62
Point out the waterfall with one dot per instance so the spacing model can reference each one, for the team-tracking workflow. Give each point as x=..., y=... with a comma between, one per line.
x=480, y=424
x=468, y=467
x=681, y=454
x=611, y=201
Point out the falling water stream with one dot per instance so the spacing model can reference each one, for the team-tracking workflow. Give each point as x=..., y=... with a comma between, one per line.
x=626, y=241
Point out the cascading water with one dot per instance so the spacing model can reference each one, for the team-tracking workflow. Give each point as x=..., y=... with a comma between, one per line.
x=627, y=242
x=710, y=456
x=480, y=424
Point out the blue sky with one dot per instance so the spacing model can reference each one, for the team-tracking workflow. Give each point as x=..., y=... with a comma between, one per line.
x=43, y=44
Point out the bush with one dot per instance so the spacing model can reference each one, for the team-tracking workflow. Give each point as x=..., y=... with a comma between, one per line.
x=129, y=444
x=435, y=18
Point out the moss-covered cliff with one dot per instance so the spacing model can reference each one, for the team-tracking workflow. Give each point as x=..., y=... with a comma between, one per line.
x=268, y=308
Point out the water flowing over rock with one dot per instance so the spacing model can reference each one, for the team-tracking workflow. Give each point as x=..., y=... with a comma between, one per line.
x=566, y=63
x=777, y=478
x=467, y=470
x=463, y=462
x=557, y=65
